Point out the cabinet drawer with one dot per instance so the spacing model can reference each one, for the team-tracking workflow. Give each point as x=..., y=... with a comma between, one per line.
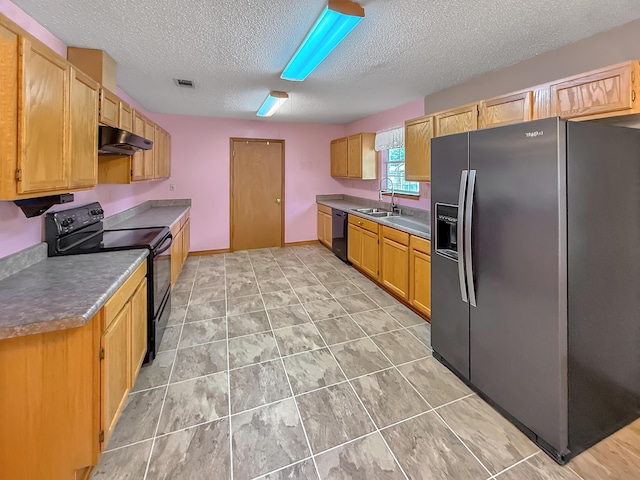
x=324, y=209
x=364, y=223
x=421, y=244
x=123, y=294
x=396, y=235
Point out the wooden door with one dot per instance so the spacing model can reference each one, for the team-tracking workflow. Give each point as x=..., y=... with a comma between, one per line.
x=149, y=155
x=458, y=120
x=354, y=244
x=116, y=370
x=137, y=160
x=42, y=150
x=420, y=281
x=395, y=267
x=354, y=156
x=125, y=116
x=601, y=91
x=138, y=329
x=83, y=130
x=327, y=221
x=370, y=254
x=507, y=109
x=417, y=149
x=109, y=108
x=257, y=203
x=186, y=240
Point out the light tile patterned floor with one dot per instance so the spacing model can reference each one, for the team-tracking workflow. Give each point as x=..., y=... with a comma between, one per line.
x=288, y=364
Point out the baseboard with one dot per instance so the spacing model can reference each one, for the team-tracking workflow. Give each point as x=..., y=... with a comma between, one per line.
x=200, y=253
x=301, y=244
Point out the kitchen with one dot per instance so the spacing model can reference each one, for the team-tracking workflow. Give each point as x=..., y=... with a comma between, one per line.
x=199, y=142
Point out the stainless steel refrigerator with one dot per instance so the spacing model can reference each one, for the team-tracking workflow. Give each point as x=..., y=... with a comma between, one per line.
x=536, y=274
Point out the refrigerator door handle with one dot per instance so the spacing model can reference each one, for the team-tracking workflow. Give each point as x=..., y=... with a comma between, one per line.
x=468, y=227
x=460, y=235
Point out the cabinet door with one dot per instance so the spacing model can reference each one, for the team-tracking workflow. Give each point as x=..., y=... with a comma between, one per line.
x=125, y=116
x=186, y=240
x=157, y=152
x=83, y=130
x=176, y=256
x=354, y=244
x=116, y=370
x=137, y=161
x=395, y=267
x=370, y=254
x=417, y=149
x=458, y=120
x=601, y=91
x=354, y=156
x=339, y=154
x=167, y=155
x=327, y=221
x=321, y=227
x=506, y=109
x=138, y=330
x=109, y=108
x=420, y=281
x=149, y=134
x=42, y=150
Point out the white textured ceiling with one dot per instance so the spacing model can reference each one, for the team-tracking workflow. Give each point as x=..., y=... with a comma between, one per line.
x=235, y=50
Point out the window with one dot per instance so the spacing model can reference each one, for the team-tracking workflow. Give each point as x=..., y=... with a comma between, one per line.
x=394, y=169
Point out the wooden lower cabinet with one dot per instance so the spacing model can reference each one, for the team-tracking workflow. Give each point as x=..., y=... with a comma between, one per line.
x=354, y=244
x=394, y=273
x=370, y=254
x=63, y=391
x=420, y=275
x=362, y=245
x=325, y=226
x=180, y=246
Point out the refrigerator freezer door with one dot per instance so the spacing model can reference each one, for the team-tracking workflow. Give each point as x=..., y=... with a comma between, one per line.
x=519, y=326
x=449, y=313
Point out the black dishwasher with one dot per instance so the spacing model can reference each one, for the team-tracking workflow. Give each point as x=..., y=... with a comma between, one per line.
x=339, y=234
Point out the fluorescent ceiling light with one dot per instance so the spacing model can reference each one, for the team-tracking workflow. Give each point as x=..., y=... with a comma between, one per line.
x=335, y=23
x=273, y=102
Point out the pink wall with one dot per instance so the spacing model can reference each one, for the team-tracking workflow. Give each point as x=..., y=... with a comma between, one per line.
x=374, y=123
x=200, y=171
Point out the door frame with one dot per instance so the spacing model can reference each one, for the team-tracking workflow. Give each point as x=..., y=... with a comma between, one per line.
x=282, y=184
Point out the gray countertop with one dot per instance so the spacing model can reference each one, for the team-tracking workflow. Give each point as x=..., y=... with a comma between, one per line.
x=62, y=292
x=412, y=225
x=156, y=216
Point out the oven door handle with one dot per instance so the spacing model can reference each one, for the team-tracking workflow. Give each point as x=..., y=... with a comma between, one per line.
x=161, y=248
x=75, y=244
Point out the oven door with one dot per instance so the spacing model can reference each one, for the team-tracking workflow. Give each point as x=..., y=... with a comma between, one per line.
x=161, y=272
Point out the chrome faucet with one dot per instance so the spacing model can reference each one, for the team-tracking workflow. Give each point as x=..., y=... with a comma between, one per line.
x=394, y=207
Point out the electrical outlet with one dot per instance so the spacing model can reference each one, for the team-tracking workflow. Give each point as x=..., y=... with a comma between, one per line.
x=172, y=187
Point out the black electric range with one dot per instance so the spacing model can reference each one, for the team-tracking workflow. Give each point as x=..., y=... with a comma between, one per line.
x=80, y=230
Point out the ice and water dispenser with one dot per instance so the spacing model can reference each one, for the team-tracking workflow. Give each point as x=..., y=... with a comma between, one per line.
x=446, y=231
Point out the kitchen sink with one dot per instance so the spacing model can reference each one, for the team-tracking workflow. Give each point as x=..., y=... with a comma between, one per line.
x=369, y=211
x=382, y=214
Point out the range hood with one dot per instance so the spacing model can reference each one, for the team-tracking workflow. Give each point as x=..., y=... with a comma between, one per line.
x=113, y=141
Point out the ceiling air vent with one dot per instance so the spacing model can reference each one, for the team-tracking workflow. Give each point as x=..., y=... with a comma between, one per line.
x=184, y=83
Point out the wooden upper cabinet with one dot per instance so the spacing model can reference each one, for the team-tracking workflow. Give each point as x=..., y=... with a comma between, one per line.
x=417, y=148
x=506, y=109
x=354, y=145
x=125, y=116
x=83, y=130
x=339, y=155
x=457, y=120
x=599, y=93
x=137, y=161
x=42, y=145
x=109, y=108
x=149, y=160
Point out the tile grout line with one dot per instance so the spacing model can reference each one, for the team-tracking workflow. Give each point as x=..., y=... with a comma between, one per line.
x=226, y=319
x=284, y=368
x=358, y=396
x=164, y=398
x=515, y=464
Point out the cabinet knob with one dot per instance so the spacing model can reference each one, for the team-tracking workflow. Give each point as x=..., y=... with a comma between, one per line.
x=278, y=201
x=359, y=223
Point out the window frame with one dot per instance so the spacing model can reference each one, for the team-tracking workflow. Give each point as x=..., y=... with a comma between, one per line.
x=385, y=173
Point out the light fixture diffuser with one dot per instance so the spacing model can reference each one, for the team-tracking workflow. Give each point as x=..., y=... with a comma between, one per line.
x=273, y=102
x=334, y=23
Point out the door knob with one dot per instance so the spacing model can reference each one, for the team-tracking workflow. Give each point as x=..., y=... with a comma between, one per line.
x=278, y=201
